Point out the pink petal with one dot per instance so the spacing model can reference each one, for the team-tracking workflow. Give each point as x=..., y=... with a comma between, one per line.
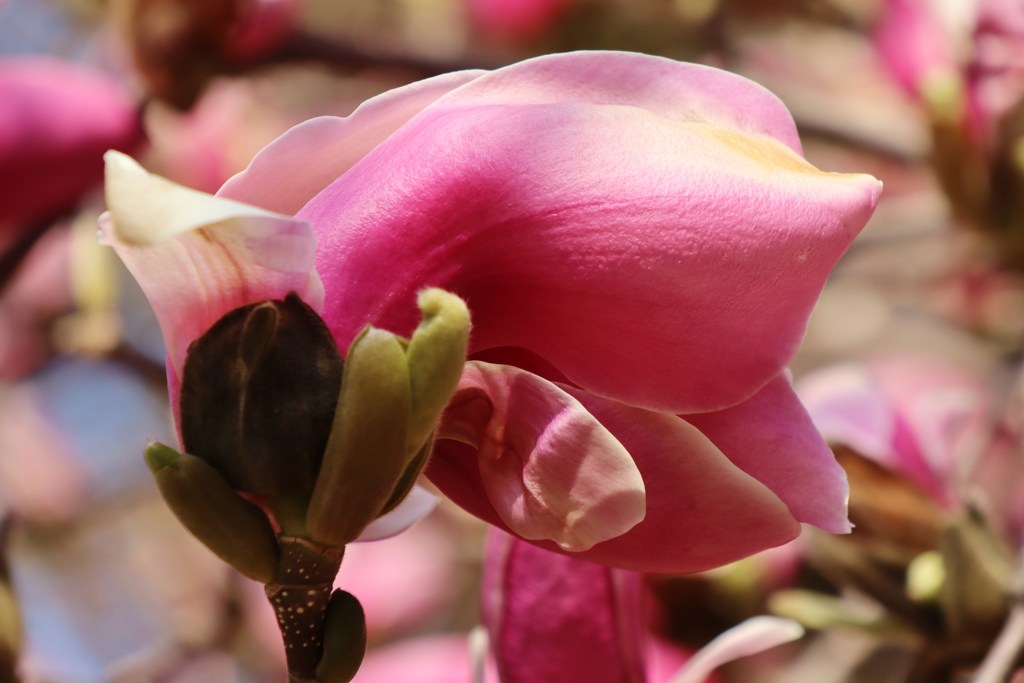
x=911, y=414
x=771, y=438
x=751, y=637
x=549, y=468
x=613, y=241
x=917, y=49
x=664, y=659
x=680, y=91
x=197, y=257
x=702, y=510
x=417, y=505
x=555, y=618
x=849, y=408
x=56, y=121
x=290, y=171
x=944, y=408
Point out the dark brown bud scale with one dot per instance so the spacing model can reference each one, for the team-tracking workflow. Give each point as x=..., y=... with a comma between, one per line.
x=258, y=395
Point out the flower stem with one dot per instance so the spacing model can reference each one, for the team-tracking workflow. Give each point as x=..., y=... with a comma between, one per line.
x=299, y=595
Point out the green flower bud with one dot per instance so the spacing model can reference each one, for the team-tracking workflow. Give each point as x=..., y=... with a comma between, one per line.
x=979, y=571
x=258, y=394
x=344, y=639
x=366, y=452
x=437, y=352
x=206, y=504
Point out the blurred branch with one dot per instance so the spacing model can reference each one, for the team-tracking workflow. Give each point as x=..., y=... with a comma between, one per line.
x=12, y=255
x=10, y=619
x=1005, y=652
x=333, y=52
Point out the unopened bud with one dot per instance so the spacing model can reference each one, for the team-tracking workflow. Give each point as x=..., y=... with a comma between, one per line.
x=206, y=504
x=258, y=394
x=366, y=452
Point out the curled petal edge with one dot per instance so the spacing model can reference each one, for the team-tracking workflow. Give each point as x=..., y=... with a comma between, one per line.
x=198, y=257
x=549, y=467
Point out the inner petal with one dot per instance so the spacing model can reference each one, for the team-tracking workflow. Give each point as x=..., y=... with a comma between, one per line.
x=550, y=469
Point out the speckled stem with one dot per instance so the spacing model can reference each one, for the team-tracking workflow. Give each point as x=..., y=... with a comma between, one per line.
x=299, y=595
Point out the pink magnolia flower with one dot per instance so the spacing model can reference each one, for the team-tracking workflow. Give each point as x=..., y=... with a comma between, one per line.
x=933, y=423
x=995, y=72
x=636, y=239
x=963, y=59
x=919, y=46
x=56, y=121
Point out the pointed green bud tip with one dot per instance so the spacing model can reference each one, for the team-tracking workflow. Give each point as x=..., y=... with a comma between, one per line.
x=159, y=456
x=437, y=353
x=236, y=530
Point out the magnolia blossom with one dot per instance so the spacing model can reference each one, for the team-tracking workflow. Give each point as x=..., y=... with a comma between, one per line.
x=919, y=41
x=56, y=121
x=639, y=242
x=932, y=423
x=963, y=59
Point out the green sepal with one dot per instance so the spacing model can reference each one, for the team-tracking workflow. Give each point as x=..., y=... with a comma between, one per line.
x=204, y=502
x=437, y=353
x=366, y=452
x=409, y=477
x=344, y=639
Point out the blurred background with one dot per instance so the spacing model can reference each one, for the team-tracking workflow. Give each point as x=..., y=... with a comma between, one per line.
x=911, y=365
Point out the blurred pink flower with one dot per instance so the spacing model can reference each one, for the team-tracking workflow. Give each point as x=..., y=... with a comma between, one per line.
x=933, y=423
x=38, y=292
x=42, y=479
x=636, y=238
x=995, y=73
x=917, y=46
x=56, y=121
x=515, y=19
x=966, y=59
x=262, y=26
